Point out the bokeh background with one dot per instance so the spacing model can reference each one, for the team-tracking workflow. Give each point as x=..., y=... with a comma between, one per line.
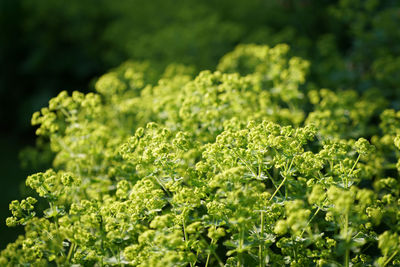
x=47, y=46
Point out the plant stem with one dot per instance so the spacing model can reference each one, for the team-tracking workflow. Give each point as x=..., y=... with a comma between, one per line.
x=119, y=257
x=355, y=164
x=260, y=250
x=390, y=258
x=294, y=250
x=272, y=180
x=209, y=252
x=245, y=163
x=347, y=253
x=218, y=259
x=208, y=259
x=162, y=186
x=279, y=187
x=71, y=249
x=240, y=256
x=308, y=223
x=184, y=232
x=346, y=259
x=213, y=252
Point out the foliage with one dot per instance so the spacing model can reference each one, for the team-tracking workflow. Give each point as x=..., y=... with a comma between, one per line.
x=352, y=44
x=243, y=166
x=48, y=46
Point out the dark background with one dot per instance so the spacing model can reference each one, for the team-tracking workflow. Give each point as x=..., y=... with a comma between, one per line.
x=47, y=46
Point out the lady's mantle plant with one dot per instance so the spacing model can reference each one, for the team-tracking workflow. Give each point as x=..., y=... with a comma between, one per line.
x=239, y=167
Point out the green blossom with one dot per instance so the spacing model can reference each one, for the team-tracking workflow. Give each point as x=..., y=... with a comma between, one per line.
x=227, y=168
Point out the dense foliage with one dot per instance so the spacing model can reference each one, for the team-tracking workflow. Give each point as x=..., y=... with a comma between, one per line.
x=47, y=46
x=248, y=165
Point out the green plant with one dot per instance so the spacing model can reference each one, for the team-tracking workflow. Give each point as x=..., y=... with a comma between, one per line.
x=243, y=166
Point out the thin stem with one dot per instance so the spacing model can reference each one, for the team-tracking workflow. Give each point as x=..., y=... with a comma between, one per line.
x=119, y=257
x=390, y=258
x=184, y=233
x=352, y=169
x=209, y=252
x=245, y=163
x=286, y=171
x=208, y=259
x=71, y=249
x=308, y=223
x=272, y=180
x=197, y=256
x=355, y=164
x=346, y=259
x=162, y=185
x=213, y=252
x=52, y=208
x=241, y=242
x=113, y=253
x=279, y=187
x=291, y=164
x=260, y=249
x=218, y=259
x=347, y=253
x=294, y=250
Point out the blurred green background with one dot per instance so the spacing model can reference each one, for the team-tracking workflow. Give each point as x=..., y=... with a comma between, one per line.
x=47, y=46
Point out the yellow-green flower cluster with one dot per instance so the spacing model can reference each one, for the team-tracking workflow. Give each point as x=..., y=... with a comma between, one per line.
x=227, y=168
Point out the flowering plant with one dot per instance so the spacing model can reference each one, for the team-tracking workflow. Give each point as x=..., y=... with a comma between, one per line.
x=243, y=166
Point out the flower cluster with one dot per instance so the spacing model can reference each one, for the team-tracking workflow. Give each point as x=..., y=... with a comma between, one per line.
x=229, y=168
